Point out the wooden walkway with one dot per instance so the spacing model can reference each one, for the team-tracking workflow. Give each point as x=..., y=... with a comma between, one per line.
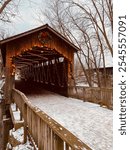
x=91, y=123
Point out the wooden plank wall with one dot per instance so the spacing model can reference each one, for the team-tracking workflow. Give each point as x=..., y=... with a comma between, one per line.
x=22, y=44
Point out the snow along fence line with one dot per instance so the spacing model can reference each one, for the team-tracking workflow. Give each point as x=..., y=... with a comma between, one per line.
x=46, y=132
x=102, y=96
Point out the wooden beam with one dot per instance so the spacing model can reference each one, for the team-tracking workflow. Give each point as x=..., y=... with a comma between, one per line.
x=45, y=58
x=42, y=51
x=21, y=65
x=28, y=56
x=25, y=59
x=21, y=62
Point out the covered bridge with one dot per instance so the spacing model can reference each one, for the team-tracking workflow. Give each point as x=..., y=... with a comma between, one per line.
x=42, y=58
x=40, y=55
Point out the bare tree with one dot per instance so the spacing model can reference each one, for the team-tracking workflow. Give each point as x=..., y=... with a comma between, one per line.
x=89, y=25
x=8, y=10
x=4, y=5
x=100, y=17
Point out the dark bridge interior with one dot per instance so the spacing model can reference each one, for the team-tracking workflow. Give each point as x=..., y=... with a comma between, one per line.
x=41, y=67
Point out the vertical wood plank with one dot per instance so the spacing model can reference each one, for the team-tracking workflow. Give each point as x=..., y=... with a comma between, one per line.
x=59, y=143
x=45, y=136
x=49, y=138
x=9, y=84
x=52, y=140
x=42, y=135
x=25, y=123
x=67, y=147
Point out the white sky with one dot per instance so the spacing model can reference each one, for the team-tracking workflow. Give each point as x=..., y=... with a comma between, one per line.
x=27, y=17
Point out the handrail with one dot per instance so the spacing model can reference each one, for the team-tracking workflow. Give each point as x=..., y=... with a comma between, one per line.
x=102, y=96
x=46, y=132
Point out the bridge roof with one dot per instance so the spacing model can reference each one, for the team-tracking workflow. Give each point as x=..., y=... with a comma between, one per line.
x=29, y=32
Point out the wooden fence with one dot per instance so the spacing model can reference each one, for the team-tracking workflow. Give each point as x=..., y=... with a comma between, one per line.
x=46, y=132
x=102, y=96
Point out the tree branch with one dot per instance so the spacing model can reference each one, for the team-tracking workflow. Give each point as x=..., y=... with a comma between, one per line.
x=4, y=5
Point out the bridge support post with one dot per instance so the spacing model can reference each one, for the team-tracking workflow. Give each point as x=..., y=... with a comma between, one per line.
x=9, y=85
x=7, y=123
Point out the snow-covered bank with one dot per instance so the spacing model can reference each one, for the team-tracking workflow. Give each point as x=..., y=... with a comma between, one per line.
x=16, y=141
x=89, y=122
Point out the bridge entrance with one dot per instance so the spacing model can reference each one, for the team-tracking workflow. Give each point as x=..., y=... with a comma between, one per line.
x=40, y=57
x=43, y=67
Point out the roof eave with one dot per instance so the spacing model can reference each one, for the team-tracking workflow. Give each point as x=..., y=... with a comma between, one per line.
x=35, y=30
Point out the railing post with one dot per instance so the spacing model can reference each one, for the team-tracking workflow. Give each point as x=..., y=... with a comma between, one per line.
x=25, y=122
x=67, y=147
x=84, y=94
x=59, y=143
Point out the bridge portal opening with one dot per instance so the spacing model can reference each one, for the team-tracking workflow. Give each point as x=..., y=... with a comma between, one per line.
x=41, y=68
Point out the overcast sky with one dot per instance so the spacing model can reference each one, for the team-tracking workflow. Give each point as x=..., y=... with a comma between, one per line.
x=27, y=17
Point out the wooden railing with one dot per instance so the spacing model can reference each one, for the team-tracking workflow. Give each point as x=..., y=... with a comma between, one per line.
x=102, y=96
x=46, y=132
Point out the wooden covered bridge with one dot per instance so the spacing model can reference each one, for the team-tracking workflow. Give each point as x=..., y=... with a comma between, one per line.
x=42, y=58
x=39, y=55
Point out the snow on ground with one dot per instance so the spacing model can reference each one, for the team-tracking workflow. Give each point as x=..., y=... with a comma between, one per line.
x=18, y=135
x=23, y=147
x=2, y=81
x=16, y=113
x=89, y=122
